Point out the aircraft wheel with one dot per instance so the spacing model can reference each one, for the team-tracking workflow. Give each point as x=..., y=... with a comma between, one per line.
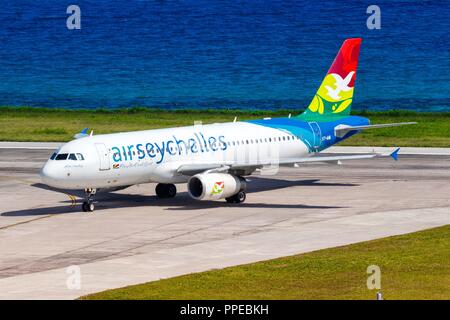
x=240, y=197
x=88, y=206
x=237, y=198
x=171, y=190
x=160, y=190
x=230, y=199
x=164, y=190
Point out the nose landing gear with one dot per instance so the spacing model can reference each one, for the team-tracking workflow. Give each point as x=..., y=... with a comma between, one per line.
x=88, y=204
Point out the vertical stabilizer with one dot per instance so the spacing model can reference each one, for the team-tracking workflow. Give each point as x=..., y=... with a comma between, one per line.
x=335, y=94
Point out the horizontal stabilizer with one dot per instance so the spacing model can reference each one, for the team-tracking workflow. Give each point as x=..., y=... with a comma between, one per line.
x=394, y=154
x=342, y=129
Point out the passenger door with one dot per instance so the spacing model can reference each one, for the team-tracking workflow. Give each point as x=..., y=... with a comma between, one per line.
x=103, y=155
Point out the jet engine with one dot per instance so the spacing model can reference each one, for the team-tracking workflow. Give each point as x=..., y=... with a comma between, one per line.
x=215, y=186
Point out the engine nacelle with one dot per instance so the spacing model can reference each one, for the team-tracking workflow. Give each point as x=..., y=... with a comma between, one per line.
x=214, y=186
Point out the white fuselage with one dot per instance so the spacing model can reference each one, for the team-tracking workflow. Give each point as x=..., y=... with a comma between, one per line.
x=129, y=158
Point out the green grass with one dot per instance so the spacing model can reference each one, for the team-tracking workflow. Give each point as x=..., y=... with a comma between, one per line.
x=39, y=124
x=413, y=266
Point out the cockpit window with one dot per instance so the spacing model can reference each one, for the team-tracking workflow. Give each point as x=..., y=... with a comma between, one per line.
x=80, y=156
x=61, y=156
x=53, y=156
x=72, y=157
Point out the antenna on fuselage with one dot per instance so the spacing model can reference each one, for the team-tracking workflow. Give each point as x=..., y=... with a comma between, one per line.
x=92, y=133
x=289, y=116
x=235, y=118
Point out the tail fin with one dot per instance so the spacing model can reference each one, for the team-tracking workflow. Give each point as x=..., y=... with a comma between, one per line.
x=335, y=94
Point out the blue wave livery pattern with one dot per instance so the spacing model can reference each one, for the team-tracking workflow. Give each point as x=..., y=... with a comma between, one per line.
x=315, y=140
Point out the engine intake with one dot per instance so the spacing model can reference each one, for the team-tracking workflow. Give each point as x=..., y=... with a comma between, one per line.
x=214, y=186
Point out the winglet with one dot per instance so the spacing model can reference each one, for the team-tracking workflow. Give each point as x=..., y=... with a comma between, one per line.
x=81, y=134
x=394, y=154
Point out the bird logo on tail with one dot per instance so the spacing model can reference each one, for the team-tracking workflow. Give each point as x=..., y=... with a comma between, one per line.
x=341, y=85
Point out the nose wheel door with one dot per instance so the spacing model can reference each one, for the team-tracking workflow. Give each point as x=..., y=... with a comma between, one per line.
x=103, y=154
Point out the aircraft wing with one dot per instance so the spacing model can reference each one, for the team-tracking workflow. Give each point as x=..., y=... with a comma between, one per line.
x=342, y=130
x=192, y=169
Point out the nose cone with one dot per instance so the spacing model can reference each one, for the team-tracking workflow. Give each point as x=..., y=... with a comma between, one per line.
x=48, y=175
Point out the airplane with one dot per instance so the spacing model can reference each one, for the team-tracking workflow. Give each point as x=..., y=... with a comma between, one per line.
x=214, y=159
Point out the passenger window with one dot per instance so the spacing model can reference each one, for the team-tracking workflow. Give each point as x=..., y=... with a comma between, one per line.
x=72, y=156
x=53, y=156
x=61, y=156
x=80, y=156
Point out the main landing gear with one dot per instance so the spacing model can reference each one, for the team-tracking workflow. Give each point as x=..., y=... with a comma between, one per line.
x=237, y=198
x=166, y=190
x=241, y=195
x=88, y=204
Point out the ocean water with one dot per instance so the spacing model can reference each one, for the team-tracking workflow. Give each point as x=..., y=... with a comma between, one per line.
x=220, y=54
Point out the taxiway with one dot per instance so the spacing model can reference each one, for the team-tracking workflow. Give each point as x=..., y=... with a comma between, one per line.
x=134, y=237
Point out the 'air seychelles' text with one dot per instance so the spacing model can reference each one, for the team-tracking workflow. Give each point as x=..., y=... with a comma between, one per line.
x=159, y=150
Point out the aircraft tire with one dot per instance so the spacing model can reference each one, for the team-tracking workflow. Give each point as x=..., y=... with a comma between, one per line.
x=171, y=190
x=241, y=196
x=88, y=206
x=164, y=190
x=237, y=198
